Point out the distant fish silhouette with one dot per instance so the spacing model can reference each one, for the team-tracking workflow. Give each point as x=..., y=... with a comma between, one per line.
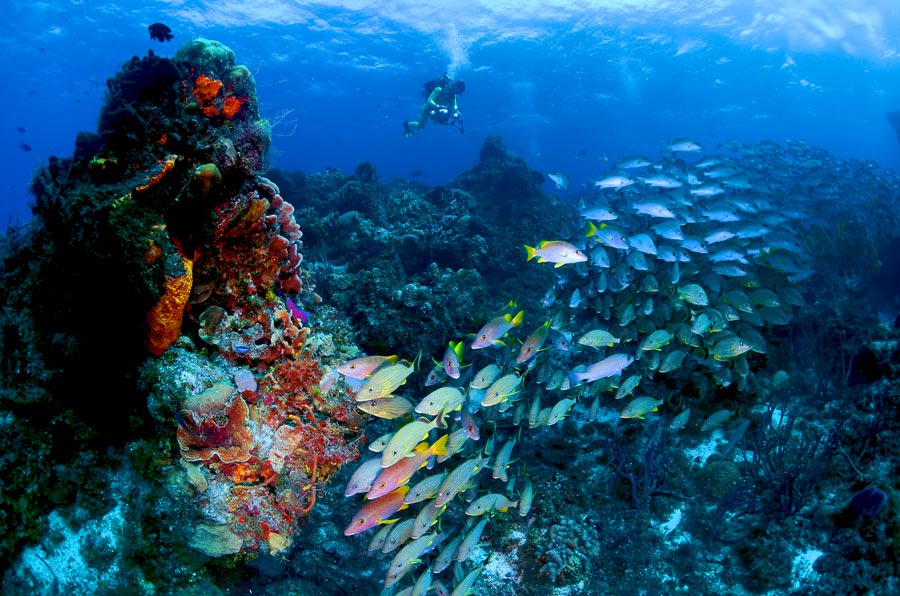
x=415, y=173
x=160, y=32
x=20, y=128
x=25, y=146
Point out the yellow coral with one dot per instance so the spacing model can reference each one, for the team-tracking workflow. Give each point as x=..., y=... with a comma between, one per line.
x=164, y=319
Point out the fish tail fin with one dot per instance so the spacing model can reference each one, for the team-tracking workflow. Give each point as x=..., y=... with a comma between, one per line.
x=530, y=252
x=591, y=230
x=517, y=320
x=574, y=378
x=440, y=446
x=439, y=421
x=458, y=349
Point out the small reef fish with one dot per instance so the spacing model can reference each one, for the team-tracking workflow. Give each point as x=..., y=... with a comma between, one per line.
x=447, y=555
x=405, y=440
x=672, y=361
x=559, y=252
x=490, y=334
x=470, y=424
x=385, y=380
x=715, y=420
x=442, y=399
x=297, y=313
x=452, y=359
x=693, y=294
x=397, y=534
x=465, y=586
x=457, y=480
x=654, y=209
x=615, y=181
x=423, y=583
x=656, y=340
x=681, y=420
x=501, y=462
x=360, y=368
x=661, y=181
x=390, y=407
x=729, y=348
x=425, y=489
x=526, y=497
x=377, y=512
x=469, y=542
x=485, y=377
x=684, y=145
x=377, y=543
x=598, y=213
x=407, y=558
x=427, y=517
x=378, y=445
x=634, y=161
x=607, y=236
x=609, y=366
x=399, y=473
x=560, y=180
x=490, y=502
x=533, y=343
x=160, y=32
x=642, y=243
x=627, y=386
x=435, y=375
x=362, y=479
x=559, y=410
x=641, y=406
x=501, y=390
x=598, y=338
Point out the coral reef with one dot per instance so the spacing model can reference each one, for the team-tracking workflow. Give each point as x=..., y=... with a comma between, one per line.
x=399, y=256
x=159, y=253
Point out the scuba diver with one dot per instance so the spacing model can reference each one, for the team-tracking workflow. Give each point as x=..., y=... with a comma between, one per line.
x=441, y=105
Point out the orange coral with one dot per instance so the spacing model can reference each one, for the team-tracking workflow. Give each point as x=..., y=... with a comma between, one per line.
x=164, y=319
x=167, y=164
x=206, y=89
x=231, y=106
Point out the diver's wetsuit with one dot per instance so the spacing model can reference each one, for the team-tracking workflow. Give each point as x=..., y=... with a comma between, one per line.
x=436, y=98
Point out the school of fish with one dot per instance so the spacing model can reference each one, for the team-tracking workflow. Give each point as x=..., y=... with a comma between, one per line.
x=675, y=270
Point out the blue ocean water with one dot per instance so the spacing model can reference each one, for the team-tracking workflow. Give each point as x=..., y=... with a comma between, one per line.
x=569, y=85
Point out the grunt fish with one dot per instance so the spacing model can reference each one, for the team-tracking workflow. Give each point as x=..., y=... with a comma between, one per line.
x=555, y=251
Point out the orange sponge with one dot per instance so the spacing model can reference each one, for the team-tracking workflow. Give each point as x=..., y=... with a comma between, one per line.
x=164, y=319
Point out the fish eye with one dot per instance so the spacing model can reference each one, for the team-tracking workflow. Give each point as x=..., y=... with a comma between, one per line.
x=361, y=521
